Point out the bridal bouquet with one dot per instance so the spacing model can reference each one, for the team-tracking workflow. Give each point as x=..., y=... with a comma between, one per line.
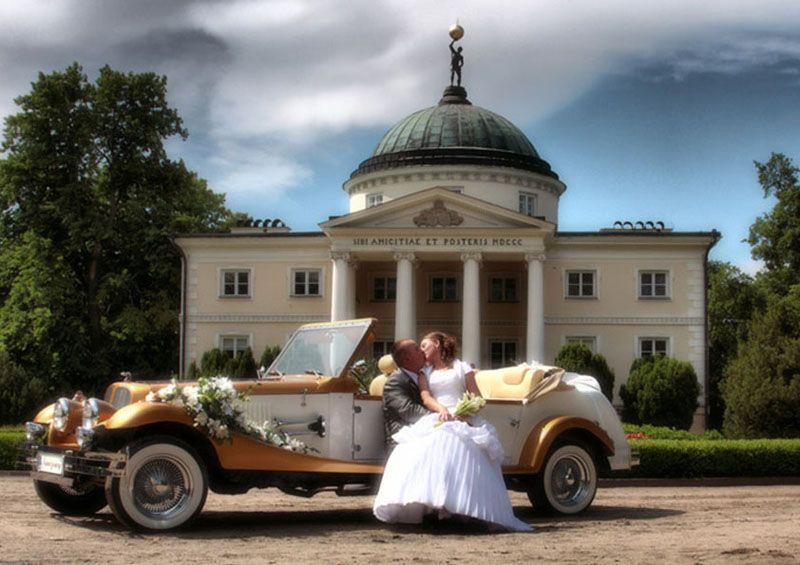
x=469, y=405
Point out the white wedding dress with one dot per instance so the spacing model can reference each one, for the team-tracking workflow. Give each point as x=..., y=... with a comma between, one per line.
x=451, y=469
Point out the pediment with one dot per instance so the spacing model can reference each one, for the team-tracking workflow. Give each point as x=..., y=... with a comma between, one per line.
x=436, y=208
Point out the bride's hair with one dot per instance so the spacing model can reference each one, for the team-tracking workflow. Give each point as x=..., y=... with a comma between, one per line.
x=448, y=348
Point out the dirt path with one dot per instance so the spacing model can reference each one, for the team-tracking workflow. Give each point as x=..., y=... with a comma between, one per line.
x=753, y=524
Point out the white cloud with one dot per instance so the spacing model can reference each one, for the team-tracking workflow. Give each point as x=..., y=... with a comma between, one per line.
x=283, y=74
x=254, y=169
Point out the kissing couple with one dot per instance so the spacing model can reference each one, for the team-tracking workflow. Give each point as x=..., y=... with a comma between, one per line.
x=439, y=464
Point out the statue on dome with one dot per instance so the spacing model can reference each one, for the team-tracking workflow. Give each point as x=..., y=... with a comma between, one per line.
x=456, y=58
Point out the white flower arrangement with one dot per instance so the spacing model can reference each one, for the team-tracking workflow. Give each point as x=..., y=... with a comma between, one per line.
x=469, y=405
x=214, y=405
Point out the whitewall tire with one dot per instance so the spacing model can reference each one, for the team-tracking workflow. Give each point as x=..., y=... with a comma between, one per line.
x=164, y=487
x=568, y=481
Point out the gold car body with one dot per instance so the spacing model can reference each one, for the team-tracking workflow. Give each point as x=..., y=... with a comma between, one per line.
x=340, y=423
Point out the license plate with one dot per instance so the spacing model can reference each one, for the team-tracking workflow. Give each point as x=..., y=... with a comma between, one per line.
x=50, y=463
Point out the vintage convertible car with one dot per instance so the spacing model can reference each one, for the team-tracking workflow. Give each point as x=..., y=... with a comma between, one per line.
x=153, y=465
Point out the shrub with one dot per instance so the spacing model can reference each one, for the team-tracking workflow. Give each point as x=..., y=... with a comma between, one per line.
x=761, y=386
x=660, y=391
x=213, y=362
x=269, y=355
x=242, y=366
x=577, y=358
x=659, y=432
x=10, y=440
x=20, y=394
x=216, y=362
x=678, y=459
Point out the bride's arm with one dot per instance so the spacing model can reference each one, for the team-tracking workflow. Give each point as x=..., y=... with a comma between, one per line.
x=472, y=384
x=430, y=402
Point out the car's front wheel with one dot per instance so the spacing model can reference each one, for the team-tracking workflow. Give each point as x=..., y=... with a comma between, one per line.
x=164, y=486
x=568, y=481
x=82, y=501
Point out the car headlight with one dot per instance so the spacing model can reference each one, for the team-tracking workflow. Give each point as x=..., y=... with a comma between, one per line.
x=84, y=437
x=61, y=414
x=91, y=411
x=34, y=432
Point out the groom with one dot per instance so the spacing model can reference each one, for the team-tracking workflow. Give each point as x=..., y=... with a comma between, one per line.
x=402, y=404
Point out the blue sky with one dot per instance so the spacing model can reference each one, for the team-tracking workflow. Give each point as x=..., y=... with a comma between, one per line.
x=647, y=113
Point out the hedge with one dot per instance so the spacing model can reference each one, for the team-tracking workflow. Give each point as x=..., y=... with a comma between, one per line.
x=10, y=439
x=683, y=459
x=674, y=458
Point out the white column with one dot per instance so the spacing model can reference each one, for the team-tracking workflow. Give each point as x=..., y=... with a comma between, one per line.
x=535, y=337
x=339, y=290
x=352, y=267
x=405, y=322
x=471, y=314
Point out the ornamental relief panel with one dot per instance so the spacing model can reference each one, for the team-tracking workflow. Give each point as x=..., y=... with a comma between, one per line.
x=438, y=217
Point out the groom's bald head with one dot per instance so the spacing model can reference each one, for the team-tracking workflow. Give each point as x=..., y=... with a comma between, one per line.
x=407, y=354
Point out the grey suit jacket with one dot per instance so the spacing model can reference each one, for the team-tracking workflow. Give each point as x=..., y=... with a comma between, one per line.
x=402, y=404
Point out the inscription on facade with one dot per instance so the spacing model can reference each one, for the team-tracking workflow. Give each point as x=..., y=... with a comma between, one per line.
x=438, y=242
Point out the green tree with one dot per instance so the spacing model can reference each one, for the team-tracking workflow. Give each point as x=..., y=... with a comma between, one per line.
x=733, y=297
x=762, y=384
x=660, y=391
x=775, y=237
x=19, y=391
x=577, y=358
x=87, y=187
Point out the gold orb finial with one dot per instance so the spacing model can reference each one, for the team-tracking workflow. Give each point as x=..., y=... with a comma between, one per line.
x=456, y=32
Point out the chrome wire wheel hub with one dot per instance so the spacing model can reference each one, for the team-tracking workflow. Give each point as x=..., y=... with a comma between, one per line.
x=161, y=487
x=569, y=480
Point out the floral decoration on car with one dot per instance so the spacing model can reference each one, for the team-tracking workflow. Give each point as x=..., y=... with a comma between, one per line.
x=214, y=405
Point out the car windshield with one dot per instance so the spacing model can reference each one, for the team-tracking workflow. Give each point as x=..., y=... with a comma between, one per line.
x=320, y=349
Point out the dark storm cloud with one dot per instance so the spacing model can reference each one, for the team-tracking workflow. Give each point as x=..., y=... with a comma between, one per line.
x=261, y=81
x=187, y=46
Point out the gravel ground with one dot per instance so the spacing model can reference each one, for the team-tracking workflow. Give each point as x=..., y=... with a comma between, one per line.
x=630, y=524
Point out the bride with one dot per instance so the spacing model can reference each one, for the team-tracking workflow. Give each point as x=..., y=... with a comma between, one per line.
x=444, y=465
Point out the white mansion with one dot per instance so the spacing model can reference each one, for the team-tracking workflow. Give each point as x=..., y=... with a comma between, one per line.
x=453, y=226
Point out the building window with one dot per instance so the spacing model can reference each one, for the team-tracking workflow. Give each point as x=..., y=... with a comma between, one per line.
x=502, y=353
x=527, y=203
x=580, y=284
x=649, y=346
x=589, y=341
x=444, y=289
x=654, y=284
x=384, y=289
x=381, y=348
x=306, y=282
x=232, y=345
x=374, y=199
x=503, y=289
x=235, y=283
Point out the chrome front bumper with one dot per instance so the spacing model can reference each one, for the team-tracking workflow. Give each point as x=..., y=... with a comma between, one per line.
x=66, y=466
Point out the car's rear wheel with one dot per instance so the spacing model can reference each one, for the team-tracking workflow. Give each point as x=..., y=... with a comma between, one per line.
x=568, y=481
x=164, y=486
x=85, y=500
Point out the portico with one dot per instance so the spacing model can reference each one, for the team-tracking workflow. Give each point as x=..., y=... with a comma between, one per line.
x=464, y=237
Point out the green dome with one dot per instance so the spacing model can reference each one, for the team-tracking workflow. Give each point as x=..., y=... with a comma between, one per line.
x=455, y=132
